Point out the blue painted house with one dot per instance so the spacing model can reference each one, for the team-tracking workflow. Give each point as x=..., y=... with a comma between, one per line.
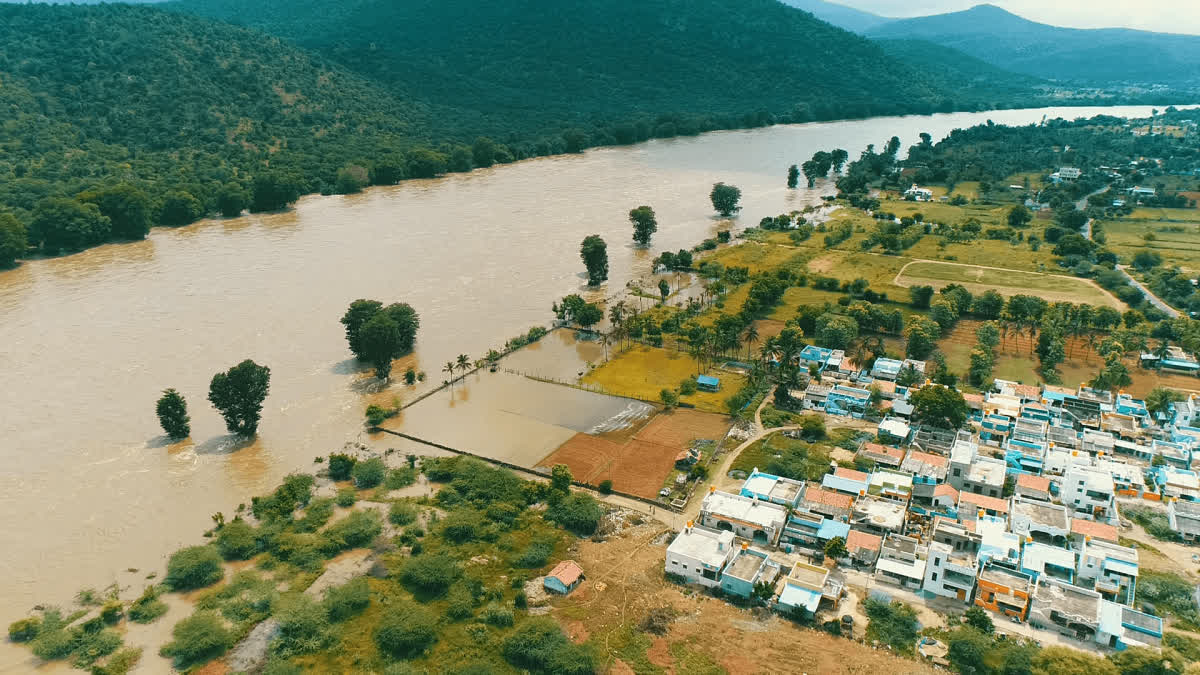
x=564, y=578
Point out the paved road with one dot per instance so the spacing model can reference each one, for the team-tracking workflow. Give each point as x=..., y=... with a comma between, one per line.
x=1151, y=297
x=1082, y=205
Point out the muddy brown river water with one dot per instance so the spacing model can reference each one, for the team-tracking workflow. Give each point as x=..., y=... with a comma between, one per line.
x=88, y=486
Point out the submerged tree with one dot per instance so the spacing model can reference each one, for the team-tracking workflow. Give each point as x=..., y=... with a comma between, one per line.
x=644, y=224
x=238, y=394
x=380, y=341
x=725, y=199
x=173, y=415
x=793, y=176
x=594, y=253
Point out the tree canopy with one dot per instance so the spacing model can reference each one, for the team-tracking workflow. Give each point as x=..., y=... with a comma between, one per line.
x=238, y=394
x=939, y=406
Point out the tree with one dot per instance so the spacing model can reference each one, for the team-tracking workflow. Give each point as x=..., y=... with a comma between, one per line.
x=237, y=540
x=921, y=296
x=1019, y=216
x=273, y=191
x=942, y=311
x=194, y=567
x=126, y=206
x=836, y=331
x=793, y=178
x=180, y=207
x=232, y=200
x=351, y=179
x=483, y=152
x=939, y=406
x=594, y=253
x=725, y=199
x=644, y=224
x=835, y=548
x=380, y=341
x=359, y=313
x=838, y=157
x=978, y=618
x=812, y=171
x=1146, y=661
x=982, y=362
x=1159, y=399
x=560, y=480
x=921, y=336
x=173, y=415
x=966, y=651
x=664, y=289
x=988, y=305
x=303, y=625
x=238, y=394
x=988, y=335
x=13, y=240
x=1146, y=260
x=198, y=638
x=61, y=224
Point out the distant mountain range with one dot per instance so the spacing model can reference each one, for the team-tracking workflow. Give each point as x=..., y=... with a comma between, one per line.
x=1103, y=56
x=854, y=20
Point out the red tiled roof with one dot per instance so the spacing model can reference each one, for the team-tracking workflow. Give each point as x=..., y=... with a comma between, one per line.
x=1039, y=483
x=857, y=539
x=983, y=501
x=567, y=571
x=945, y=489
x=929, y=458
x=1090, y=528
x=875, y=448
x=843, y=472
x=817, y=495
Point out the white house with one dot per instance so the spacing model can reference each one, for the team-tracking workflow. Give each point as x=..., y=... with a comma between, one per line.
x=1184, y=518
x=746, y=517
x=950, y=573
x=1089, y=492
x=699, y=555
x=919, y=194
x=902, y=562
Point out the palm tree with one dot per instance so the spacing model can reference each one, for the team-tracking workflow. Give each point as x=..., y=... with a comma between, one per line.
x=450, y=368
x=464, y=363
x=1162, y=350
x=750, y=338
x=1092, y=340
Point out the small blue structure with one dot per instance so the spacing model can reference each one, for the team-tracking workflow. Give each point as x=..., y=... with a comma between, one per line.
x=707, y=383
x=564, y=578
x=814, y=354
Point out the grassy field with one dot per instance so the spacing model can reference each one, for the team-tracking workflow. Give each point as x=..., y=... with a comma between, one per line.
x=1176, y=235
x=1007, y=282
x=757, y=257
x=643, y=372
x=935, y=212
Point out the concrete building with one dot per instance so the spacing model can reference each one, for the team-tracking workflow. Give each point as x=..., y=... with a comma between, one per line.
x=699, y=555
x=811, y=530
x=956, y=536
x=1089, y=492
x=1084, y=615
x=1178, y=484
x=973, y=472
x=878, y=516
x=748, y=568
x=882, y=455
x=971, y=506
x=1112, y=568
x=950, y=573
x=1003, y=590
x=774, y=489
x=1185, y=519
x=928, y=471
x=846, y=481
x=892, y=485
x=1043, y=560
x=886, y=369
x=804, y=588
x=1039, y=520
x=863, y=547
x=1083, y=529
x=901, y=562
x=748, y=518
x=1033, y=487
x=826, y=502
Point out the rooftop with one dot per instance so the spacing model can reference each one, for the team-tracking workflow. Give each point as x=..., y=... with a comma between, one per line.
x=895, y=455
x=1038, y=483
x=774, y=487
x=1094, y=529
x=1186, y=509
x=843, y=472
x=710, y=547
x=1043, y=513
x=1072, y=601
x=816, y=495
x=983, y=501
x=567, y=571
x=881, y=513
x=987, y=471
x=808, y=576
x=857, y=539
x=1004, y=577
x=745, y=564
x=745, y=509
x=1036, y=557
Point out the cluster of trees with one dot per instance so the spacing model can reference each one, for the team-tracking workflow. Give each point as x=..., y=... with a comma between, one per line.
x=237, y=394
x=574, y=309
x=819, y=166
x=377, y=334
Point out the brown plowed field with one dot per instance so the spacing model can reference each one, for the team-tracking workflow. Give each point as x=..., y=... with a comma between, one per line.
x=640, y=465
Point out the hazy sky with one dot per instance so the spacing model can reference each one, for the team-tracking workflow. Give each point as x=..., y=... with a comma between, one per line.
x=1173, y=16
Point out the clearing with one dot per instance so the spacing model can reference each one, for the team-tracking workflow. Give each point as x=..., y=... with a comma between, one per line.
x=642, y=372
x=978, y=279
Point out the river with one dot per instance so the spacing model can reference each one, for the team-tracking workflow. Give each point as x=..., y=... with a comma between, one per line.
x=90, y=488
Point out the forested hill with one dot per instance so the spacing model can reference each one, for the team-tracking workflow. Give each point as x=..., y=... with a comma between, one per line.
x=1097, y=56
x=839, y=15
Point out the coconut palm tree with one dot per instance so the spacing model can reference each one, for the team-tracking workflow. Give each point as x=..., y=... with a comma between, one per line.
x=1162, y=351
x=1092, y=340
x=464, y=363
x=449, y=368
x=750, y=338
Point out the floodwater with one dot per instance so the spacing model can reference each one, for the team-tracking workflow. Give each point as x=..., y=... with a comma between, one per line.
x=89, y=486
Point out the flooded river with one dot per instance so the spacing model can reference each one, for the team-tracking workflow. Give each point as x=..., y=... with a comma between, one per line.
x=89, y=487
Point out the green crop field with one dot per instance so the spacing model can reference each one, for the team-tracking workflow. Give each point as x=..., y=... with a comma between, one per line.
x=1176, y=240
x=1006, y=282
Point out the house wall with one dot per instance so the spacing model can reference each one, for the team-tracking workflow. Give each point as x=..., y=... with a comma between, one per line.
x=987, y=594
x=692, y=570
x=741, y=529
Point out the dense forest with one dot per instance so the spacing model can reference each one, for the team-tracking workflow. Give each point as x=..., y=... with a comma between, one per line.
x=120, y=117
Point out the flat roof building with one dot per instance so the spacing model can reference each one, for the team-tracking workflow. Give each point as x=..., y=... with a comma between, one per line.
x=744, y=516
x=699, y=555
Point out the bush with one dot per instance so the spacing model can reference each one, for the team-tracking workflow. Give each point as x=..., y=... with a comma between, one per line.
x=401, y=478
x=460, y=527
x=430, y=575
x=405, y=630
x=461, y=603
x=194, y=567
x=303, y=625
x=340, y=466
x=539, y=645
x=112, y=611
x=1155, y=522
x=368, y=474
x=606, y=486
x=354, y=531
x=376, y=415
x=893, y=624
x=90, y=646
x=520, y=600
x=295, y=492
x=318, y=512
x=200, y=637
x=147, y=608
x=53, y=645
x=687, y=387
x=536, y=554
x=24, y=630
x=579, y=513
x=346, y=497
x=658, y=620
x=402, y=513
x=495, y=615
x=347, y=600
x=236, y=540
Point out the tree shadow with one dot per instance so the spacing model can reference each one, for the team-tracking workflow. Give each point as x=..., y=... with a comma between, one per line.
x=162, y=441
x=350, y=366
x=225, y=444
x=369, y=384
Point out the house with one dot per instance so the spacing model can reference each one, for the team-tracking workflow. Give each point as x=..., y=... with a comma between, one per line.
x=945, y=499
x=1003, y=590
x=1085, y=615
x=564, y=578
x=950, y=573
x=699, y=555
x=1138, y=191
x=1089, y=492
x=1033, y=487
x=863, y=547
x=928, y=471
x=815, y=396
x=813, y=355
x=999, y=545
x=803, y=590
x=901, y=562
x=886, y=369
x=882, y=455
x=972, y=472
x=918, y=194
x=895, y=430
x=1043, y=560
x=878, y=516
x=956, y=536
x=846, y=481
x=746, y=517
x=1184, y=518
x=770, y=488
x=1083, y=530
x=1040, y=520
x=826, y=502
x=811, y=530
x=748, y=568
x=844, y=400
x=1096, y=442
x=891, y=485
x=1111, y=567
x=1069, y=173
x=1177, y=483
x=708, y=383
x=972, y=505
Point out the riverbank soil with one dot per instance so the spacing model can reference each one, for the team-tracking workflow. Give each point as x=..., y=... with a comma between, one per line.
x=625, y=582
x=641, y=464
x=642, y=372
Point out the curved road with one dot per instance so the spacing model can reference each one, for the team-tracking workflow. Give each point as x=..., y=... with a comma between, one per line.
x=1151, y=297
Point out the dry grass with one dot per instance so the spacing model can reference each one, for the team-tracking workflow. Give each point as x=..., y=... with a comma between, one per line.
x=1008, y=283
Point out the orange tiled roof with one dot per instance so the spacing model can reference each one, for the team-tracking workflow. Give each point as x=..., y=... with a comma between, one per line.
x=1039, y=483
x=817, y=495
x=567, y=571
x=929, y=458
x=945, y=489
x=895, y=453
x=857, y=539
x=1090, y=528
x=843, y=472
x=983, y=501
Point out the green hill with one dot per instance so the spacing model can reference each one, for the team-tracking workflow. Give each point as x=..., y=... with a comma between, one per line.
x=1104, y=56
x=839, y=15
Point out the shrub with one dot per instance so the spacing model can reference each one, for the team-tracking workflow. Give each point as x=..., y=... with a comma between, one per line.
x=112, y=611
x=346, y=497
x=461, y=603
x=295, y=492
x=579, y=513
x=892, y=624
x=376, y=415
x=304, y=550
x=368, y=474
x=402, y=513
x=687, y=387
x=303, y=625
x=401, y=478
x=430, y=575
x=520, y=600
x=460, y=527
x=347, y=600
x=657, y=621
x=496, y=615
x=200, y=637
x=24, y=630
x=405, y=630
x=606, y=486
x=318, y=513
x=536, y=554
x=539, y=645
x=194, y=567
x=147, y=607
x=340, y=466
x=52, y=645
x=354, y=531
x=236, y=540
x=91, y=645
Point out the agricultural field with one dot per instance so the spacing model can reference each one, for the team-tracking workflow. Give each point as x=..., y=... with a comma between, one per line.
x=642, y=372
x=756, y=257
x=1175, y=235
x=994, y=215
x=1006, y=282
